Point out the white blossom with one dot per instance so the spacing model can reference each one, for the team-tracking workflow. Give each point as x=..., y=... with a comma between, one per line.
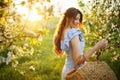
x=8, y=59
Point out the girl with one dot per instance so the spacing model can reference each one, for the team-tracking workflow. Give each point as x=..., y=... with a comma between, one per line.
x=69, y=39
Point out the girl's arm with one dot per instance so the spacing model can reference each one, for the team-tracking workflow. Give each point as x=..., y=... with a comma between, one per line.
x=76, y=49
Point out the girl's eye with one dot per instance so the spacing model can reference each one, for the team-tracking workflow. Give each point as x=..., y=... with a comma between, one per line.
x=77, y=18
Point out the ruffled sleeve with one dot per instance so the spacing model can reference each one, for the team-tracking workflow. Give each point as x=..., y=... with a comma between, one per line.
x=65, y=45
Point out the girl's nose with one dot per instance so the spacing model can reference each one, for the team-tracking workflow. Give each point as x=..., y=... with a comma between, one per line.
x=77, y=21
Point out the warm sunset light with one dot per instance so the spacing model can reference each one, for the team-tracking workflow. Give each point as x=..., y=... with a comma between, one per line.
x=62, y=5
x=31, y=15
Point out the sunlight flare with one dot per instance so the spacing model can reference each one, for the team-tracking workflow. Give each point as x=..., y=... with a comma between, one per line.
x=28, y=14
x=33, y=15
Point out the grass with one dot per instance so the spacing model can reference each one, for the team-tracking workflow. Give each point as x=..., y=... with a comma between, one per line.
x=43, y=64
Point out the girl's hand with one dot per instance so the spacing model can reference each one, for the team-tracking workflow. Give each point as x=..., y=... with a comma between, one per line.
x=101, y=44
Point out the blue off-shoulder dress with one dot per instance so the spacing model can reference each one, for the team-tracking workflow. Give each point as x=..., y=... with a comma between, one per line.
x=66, y=47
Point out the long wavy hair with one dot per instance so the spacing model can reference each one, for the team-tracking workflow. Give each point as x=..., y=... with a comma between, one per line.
x=68, y=16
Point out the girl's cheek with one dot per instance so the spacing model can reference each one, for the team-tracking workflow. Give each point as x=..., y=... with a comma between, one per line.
x=76, y=22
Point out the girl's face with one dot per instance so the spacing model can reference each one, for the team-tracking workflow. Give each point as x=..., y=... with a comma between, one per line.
x=76, y=21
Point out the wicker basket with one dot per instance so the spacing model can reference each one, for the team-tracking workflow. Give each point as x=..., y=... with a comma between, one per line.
x=97, y=70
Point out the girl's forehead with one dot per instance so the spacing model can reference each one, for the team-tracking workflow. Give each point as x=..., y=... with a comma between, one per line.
x=78, y=15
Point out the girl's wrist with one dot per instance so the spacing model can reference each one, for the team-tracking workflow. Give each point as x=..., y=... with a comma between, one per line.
x=95, y=48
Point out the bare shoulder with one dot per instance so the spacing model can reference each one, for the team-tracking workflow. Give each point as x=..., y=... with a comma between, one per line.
x=66, y=30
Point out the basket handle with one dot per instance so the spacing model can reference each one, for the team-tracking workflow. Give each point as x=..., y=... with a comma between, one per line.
x=98, y=53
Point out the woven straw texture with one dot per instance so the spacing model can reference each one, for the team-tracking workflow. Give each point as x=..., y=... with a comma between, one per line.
x=98, y=70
